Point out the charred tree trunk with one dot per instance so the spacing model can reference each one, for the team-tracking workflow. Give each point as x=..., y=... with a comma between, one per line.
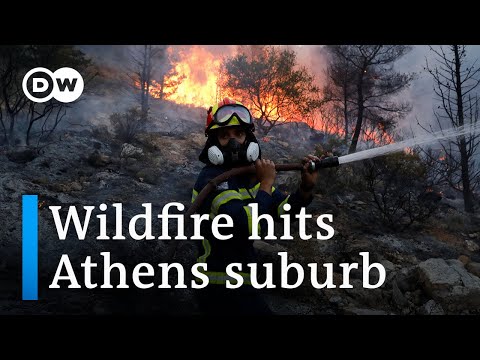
x=162, y=87
x=148, y=80
x=361, y=108
x=467, y=191
x=144, y=86
x=10, y=130
x=454, y=79
x=3, y=128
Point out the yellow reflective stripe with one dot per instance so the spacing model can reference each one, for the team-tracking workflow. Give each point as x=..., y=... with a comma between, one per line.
x=217, y=277
x=207, y=248
x=254, y=190
x=223, y=198
x=244, y=192
x=194, y=195
x=248, y=210
x=280, y=209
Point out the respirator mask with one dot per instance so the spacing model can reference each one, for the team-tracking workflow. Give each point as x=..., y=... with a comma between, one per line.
x=234, y=153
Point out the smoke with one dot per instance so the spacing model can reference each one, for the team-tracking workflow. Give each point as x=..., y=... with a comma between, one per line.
x=114, y=59
x=110, y=55
x=313, y=58
x=420, y=94
x=111, y=91
x=219, y=51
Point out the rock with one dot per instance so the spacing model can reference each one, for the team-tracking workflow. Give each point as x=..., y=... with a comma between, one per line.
x=464, y=259
x=398, y=298
x=75, y=186
x=450, y=284
x=431, y=308
x=388, y=265
x=337, y=300
x=473, y=268
x=130, y=151
x=281, y=306
x=472, y=246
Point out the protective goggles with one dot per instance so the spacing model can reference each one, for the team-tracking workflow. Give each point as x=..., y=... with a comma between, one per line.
x=227, y=112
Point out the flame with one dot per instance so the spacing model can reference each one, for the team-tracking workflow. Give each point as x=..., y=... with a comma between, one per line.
x=200, y=70
x=199, y=67
x=378, y=135
x=409, y=151
x=154, y=90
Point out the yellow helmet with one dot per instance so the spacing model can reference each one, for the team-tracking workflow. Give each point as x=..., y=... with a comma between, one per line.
x=228, y=112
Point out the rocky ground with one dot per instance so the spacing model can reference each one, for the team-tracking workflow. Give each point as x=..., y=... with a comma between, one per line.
x=431, y=268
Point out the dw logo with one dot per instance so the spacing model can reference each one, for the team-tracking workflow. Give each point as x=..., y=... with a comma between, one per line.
x=65, y=84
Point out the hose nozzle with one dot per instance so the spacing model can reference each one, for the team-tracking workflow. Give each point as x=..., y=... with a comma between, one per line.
x=331, y=161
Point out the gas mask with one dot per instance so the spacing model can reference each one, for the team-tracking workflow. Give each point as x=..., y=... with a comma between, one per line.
x=234, y=153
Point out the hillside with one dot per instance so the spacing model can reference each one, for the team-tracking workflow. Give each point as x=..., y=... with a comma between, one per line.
x=431, y=268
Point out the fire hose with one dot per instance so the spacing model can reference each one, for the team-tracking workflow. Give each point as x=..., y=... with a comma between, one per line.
x=331, y=161
x=327, y=162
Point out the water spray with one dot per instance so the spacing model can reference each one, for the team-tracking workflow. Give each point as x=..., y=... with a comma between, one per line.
x=400, y=146
x=334, y=161
x=395, y=147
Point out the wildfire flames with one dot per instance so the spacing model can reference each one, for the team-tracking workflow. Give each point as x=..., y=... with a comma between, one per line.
x=198, y=71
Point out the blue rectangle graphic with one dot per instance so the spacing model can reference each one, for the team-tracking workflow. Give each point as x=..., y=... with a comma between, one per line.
x=30, y=247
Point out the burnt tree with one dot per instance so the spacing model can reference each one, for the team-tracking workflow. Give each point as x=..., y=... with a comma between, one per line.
x=456, y=79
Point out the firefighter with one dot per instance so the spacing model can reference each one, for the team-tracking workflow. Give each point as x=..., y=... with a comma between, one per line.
x=231, y=143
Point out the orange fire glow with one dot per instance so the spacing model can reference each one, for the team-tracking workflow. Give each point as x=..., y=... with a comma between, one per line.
x=199, y=67
x=378, y=135
x=200, y=71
